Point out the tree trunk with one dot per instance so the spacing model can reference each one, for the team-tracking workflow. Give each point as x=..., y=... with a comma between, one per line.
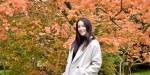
x=127, y=69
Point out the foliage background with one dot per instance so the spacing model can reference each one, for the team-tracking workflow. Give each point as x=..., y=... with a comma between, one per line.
x=35, y=34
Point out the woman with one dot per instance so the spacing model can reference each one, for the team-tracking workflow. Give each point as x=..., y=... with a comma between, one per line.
x=85, y=54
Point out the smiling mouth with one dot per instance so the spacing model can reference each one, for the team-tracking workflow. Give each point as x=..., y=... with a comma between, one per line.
x=82, y=32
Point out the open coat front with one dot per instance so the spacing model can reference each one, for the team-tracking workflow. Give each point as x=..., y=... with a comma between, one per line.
x=85, y=62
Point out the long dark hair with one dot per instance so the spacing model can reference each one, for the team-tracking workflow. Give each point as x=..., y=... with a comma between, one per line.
x=87, y=38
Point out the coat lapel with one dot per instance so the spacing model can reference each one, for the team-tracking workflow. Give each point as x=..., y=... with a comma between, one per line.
x=78, y=54
x=70, y=55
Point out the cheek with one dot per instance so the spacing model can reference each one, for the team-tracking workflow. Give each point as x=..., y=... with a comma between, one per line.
x=84, y=29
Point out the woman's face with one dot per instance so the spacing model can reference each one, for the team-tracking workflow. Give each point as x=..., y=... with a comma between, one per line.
x=82, y=28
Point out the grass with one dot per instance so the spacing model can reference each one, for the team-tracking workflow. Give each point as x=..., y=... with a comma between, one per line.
x=141, y=72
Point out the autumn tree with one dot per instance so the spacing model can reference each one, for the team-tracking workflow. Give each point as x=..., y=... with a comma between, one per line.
x=29, y=35
x=35, y=34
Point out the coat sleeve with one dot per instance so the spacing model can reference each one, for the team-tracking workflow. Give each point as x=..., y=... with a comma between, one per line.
x=96, y=61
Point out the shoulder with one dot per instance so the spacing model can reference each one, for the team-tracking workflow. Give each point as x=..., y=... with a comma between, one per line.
x=94, y=42
x=94, y=45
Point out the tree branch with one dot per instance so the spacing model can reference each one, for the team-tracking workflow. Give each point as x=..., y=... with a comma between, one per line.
x=144, y=30
x=121, y=8
x=68, y=4
x=113, y=21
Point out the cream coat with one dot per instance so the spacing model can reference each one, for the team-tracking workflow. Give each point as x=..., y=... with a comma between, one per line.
x=86, y=62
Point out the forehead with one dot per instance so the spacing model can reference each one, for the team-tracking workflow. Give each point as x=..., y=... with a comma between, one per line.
x=80, y=23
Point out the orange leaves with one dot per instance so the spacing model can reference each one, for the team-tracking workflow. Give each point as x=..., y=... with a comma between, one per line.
x=87, y=4
x=61, y=31
x=112, y=44
x=75, y=1
x=6, y=9
x=105, y=40
x=5, y=23
x=9, y=7
x=134, y=52
x=66, y=27
x=19, y=4
x=146, y=17
x=61, y=4
x=57, y=30
x=72, y=14
x=130, y=27
x=82, y=5
x=64, y=33
x=121, y=16
x=129, y=32
x=145, y=39
x=54, y=29
x=47, y=30
x=67, y=44
x=146, y=4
